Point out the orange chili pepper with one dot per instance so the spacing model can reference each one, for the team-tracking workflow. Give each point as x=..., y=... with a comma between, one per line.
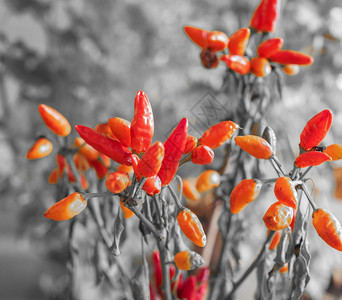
x=66, y=208
x=151, y=161
x=208, y=180
x=217, y=134
x=202, y=155
x=290, y=70
x=328, y=228
x=54, y=120
x=260, y=67
x=334, y=151
x=117, y=181
x=121, y=129
x=53, y=177
x=104, y=129
x=188, y=260
x=86, y=150
x=191, y=144
x=312, y=158
x=42, y=147
x=83, y=181
x=127, y=169
x=81, y=162
x=290, y=57
x=269, y=47
x=278, y=216
x=238, y=41
x=255, y=146
x=284, y=269
x=285, y=192
x=237, y=63
x=127, y=213
x=243, y=193
x=152, y=185
x=61, y=164
x=191, y=227
x=275, y=240
x=264, y=18
x=189, y=190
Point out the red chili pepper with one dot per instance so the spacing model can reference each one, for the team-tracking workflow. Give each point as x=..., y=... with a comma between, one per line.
x=121, y=129
x=192, y=227
x=191, y=144
x=86, y=150
x=237, y=63
x=42, y=147
x=217, y=41
x=208, y=180
x=255, y=146
x=158, y=275
x=142, y=125
x=290, y=70
x=54, y=120
x=275, y=240
x=197, y=35
x=243, y=193
x=334, y=151
x=152, y=185
x=81, y=163
x=260, y=67
x=100, y=169
x=269, y=47
x=202, y=283
x=188, y=290
x=135, y=163
x=188, y=260
x=83, y=181
x=53, y=177
x=315, y=130
x=278, y=216
x=127, y=213
x=217, y=134
x=284, y=269
x=238, y=41
x=328, y=228
x=285, y=192
x=290, y=57
x=312, y=158
x=70, y=174
x=61, y=164
x=127, y=169
x=202, y=155
x=66, y=208
x=293, y=219
x=189, y=190
x=150, y=163
x=104, y=129
x=174, y=148
x=117, y=181
x=104, y=144
x=264, y=18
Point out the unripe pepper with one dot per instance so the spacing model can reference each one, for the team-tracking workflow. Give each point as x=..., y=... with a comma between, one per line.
x=312, y=158
x=150, y=163
x=104, y=144
x=142, y=125
x=238, y=41
x=54, y=120
x=188, y=260
x=174, y=148
x=260, y=67
x=237, y=63
x=264, y=18
x=66, y=208
x=285, y=192
x=208, y=180
x=121, y=129
x=117, y=181
x=217, y=134
x=278, y=216
x=315, y=130
x=42, y=147
x=202, y=155
x=290, y=57
x=255, y=146
x=334, y=151
x=328, y=228
x=191, y=227
x=243, y=193
x=269, y=47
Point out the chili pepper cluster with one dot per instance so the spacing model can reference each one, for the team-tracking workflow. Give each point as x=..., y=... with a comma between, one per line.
x=217, y=46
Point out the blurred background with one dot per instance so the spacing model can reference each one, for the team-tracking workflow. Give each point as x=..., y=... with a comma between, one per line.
x=88, y=58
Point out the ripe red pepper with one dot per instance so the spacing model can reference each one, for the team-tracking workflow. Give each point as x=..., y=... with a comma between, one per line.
x=290, y=57
x=264, y=18
x=312, y=158
x=54, y=120
x=255, y=146
x=260, y=67
x=42, y=147
x=104, y=129
x=238, y=41
x=150, y=163
x=188, y=289
x=197, y=35
x=315, y=130
x=174, y=148
x=202, y=155
x=334, y=151
x=243, y=193
x=104, y=144
x=217, y=134
x=328, y=228
x=152, y=185
x=191, y=144
x=285, y=192
x=100, y=169
x=142, y=125
x=278, y=216
x=61, y=164
x=269, y=47
x=237, y=63
x=135, y=164
x=121, y=129
x=217, y=41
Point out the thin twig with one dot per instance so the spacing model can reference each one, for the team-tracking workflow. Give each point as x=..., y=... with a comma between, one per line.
x=308, y=196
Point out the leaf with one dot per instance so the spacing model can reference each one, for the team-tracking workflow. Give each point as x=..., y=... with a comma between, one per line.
x=118, y=229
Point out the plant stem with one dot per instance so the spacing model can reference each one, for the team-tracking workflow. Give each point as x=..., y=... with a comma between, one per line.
x=306, y=172
x=175, y=197
x=143, y=219
x=308, y=196
x=165, y=270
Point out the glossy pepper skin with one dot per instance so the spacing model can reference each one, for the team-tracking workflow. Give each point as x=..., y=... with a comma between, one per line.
x=150, y=163
x=104, y=144
x=275, y=240
x=135, y=163
x=264, y=18
x=217, y=134
x=191, y=144
x=86, y=150
x=269, y=47
x=54, y=120
x=255, y=146
x=66, y=208
x=312, y=158
x=42, y=147
x=290, y=57
x=243, y=193
x=117, y=181
x=334, y=151
x=285, y=192
x=142, y=125
x=315, y=130
x=278, y=216
x=152, y=185
x=208, y=180
x=237, y=63
x=121, y=129
x=202, y=155
x=197, y=35
x=260, y=67
x=174, y=148
x=238, y=41
x=191, y=227
x=328, y=228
